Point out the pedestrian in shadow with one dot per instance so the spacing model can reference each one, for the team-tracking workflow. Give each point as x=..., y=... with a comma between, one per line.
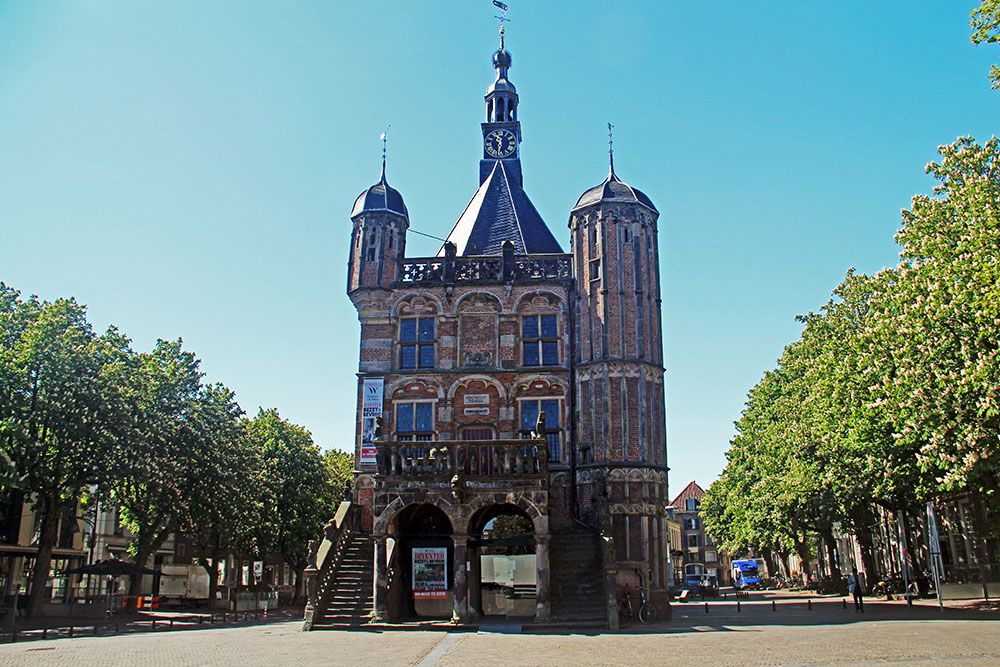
x=857, y=590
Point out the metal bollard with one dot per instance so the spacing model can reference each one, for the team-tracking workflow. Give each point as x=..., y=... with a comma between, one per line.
x=843, y=602
x=810, y=603
x=738, y=607
x=774, y=606
x=171, y=622
x=706, y=607
x=95, y=629
x=153, y=624
x=45, y=633
x=70, y=631
x=116, y=626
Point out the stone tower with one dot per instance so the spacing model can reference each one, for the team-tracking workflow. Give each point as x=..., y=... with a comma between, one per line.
x=618, y=372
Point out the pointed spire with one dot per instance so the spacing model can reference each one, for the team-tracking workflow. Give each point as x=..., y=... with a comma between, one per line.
x=611, y=151
x=382, y=137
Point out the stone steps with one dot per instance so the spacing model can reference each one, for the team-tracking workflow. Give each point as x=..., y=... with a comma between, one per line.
x=577, y=578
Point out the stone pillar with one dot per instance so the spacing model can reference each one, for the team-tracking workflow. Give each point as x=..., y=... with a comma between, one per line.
x=543, y=608
x=380, y=592
x=460, y=612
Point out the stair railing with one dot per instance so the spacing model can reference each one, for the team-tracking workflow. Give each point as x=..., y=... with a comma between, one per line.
x=326, y=556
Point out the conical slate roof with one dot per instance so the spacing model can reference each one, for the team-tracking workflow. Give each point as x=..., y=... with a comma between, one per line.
x=501, y=211
x=615, y=190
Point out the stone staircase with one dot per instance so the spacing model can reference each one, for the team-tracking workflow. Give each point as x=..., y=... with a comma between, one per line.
x=577, y=578
x=346, y=601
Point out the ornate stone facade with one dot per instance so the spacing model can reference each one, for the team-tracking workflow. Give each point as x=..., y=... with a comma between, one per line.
x=470, y=349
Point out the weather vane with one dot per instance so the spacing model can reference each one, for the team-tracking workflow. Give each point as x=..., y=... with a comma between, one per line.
x=382, y=138
x=503, y=18
x=611, y=146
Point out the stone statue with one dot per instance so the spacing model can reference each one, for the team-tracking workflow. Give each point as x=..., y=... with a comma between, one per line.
x=378, y=429
x=539, y=432
x=457, y=488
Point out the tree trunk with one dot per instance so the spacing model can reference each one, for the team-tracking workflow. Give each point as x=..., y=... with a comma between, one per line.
x=768, y=556
x=142, y=554
x=831, y=553
x=48, y=535
x=911, y=555
x=867, y=553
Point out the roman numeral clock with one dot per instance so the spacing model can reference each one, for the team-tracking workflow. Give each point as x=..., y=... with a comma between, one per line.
x=499, y=144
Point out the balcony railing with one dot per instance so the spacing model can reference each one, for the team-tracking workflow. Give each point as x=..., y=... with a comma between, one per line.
x=505, y=268
x=487, y=459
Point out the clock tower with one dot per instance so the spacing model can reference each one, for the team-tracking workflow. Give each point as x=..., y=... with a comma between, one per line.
x=501, y=131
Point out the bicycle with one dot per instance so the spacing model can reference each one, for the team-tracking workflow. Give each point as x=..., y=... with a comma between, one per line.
x=647, y=610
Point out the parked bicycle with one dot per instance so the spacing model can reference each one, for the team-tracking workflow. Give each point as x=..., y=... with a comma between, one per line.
x=647, y=610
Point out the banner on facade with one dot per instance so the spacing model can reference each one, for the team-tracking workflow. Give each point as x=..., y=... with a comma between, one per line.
x=371, y=408
x=430, y=572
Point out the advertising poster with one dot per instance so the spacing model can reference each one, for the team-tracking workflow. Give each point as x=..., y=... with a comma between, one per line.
x=371, y=407
x=430, y=572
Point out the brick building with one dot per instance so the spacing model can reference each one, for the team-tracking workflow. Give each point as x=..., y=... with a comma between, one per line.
x=699, y=552
x=461, y=353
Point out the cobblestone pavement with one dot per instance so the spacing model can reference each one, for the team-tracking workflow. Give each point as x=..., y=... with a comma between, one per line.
x=791, y=635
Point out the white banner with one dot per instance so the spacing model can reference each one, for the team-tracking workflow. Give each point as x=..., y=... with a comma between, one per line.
x=371, y=408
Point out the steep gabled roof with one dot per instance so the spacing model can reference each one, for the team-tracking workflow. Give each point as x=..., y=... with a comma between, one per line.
x=692, y=490
x=500, y=211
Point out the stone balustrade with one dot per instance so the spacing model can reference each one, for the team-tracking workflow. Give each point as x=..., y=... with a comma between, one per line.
x=469, y=459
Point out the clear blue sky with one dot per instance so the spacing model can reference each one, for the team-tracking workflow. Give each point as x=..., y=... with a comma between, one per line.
x=187, y=168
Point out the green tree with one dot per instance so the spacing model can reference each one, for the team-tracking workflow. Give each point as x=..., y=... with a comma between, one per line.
x=985, y=21
x=301, y=491
x=55, y=377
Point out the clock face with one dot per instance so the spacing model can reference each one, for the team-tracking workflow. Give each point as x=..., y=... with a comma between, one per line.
x=500, y=143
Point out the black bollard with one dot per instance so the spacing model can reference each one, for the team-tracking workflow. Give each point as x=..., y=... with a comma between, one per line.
x=95, y=629
x=774, y=606
x=116, y=626
x=153, y=624
x=738, y=606
x=843, y=602
x=810, y=602
x=706, y=607
x=45, y=633
x=71, y=631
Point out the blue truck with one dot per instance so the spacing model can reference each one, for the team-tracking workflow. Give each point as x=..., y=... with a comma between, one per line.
x=745, y=574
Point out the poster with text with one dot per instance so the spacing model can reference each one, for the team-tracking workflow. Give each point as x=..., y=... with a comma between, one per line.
x=430, y=572
x=371, y=408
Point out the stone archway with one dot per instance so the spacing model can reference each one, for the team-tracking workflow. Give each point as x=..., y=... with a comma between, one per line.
x=419, y=555
x=503, y=573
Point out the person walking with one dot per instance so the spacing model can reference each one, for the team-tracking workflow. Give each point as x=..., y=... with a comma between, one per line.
x=857, y=590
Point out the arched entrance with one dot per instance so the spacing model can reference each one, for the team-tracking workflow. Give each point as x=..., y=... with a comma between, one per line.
x=421, y=553
x=502, y=561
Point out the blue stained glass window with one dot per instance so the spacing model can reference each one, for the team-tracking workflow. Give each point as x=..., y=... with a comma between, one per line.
x=550, y=328
x=529, y=415
x=550, y=353
x=408, y=330
x=404, y=417
x=551, y=409
x=531, y=354
x=540, y=340
x=416, y=338
x=426, y=328
x=408, y=356
x=425, y=417
x=529, y=327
